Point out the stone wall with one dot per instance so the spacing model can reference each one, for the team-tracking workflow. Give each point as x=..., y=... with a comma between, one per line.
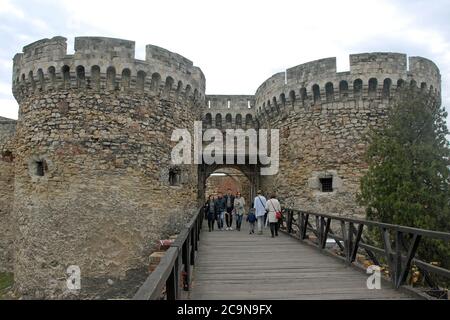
x=326, y=141
x=229, y=112
x=87, y=178
x=323, y=117
x=94, y=183
x=7, y=130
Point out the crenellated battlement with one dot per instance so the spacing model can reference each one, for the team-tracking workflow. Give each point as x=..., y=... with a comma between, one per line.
x=90, y=159
x=229, y=111
x=372, y=76
x=231, y=103
x=104, y=64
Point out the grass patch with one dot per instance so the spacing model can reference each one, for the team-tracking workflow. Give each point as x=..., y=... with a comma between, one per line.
x=6, y=281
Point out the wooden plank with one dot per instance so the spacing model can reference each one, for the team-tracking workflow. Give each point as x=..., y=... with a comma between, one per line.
x=357, y=241
x=411, y=253
x=325, y=234
x=187, y=261
x=237, y=265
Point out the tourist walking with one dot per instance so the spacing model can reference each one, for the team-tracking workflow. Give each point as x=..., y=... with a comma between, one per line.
x=273, y=208
x=210, y=212
x=251, y=219
x=229, y=206
x=219, y=205
x=239, y=209
x=259, y=204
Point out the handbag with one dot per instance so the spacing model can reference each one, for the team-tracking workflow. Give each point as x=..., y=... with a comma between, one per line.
x=278, y=214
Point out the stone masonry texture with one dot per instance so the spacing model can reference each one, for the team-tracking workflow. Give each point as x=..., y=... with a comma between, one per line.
x=85, y=172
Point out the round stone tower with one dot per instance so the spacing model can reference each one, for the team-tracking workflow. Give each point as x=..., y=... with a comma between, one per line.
x=323, y=115
x=94, y=184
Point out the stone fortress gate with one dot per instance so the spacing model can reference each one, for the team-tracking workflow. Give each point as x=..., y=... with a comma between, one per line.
x=86, y=175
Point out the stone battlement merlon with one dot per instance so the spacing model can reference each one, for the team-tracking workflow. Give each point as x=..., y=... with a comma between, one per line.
x=153, y=52
x=103, y=63
x=104, y=48
x=371, y=75
x=232, y=103
x=45, y=49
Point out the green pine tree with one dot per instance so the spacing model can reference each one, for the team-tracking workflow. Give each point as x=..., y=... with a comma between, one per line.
x=408, y=180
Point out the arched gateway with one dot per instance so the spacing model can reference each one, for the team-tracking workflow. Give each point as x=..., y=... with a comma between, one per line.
x=88, y=176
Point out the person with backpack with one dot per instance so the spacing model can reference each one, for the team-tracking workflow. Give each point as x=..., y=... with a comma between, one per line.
x=251, y=219
x=273, y=208
x=259, y=204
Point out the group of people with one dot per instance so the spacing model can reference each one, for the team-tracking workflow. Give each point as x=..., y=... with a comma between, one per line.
x=221, y=209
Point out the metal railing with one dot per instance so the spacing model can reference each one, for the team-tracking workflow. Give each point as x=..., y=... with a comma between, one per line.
x=173, y=273
x=399, y=252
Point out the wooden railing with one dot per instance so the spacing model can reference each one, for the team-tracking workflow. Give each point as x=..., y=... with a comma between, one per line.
x=399, y=253
x=174, y=270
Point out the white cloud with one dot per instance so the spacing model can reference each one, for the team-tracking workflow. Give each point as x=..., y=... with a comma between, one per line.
x=5, y=88
x=6, y=65
x=239, y=44
x=41, y=25
x=6, y=7
x=9, y=108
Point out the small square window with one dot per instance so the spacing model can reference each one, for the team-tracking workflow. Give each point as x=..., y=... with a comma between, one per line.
x=7, y=156
x=327, y=184
x=174, y=177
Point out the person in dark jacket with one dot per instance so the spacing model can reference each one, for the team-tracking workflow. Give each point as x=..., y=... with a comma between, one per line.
x=210, y=212
x=251, y=218
x=220, y=207
x=229, y=206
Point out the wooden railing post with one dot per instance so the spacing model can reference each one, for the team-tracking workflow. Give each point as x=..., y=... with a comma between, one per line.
x=187, y=262
x=318, y=235
x=397, y=257
x=170, y=273
x=290, y=219
x=172, y=283
x=326, y=231
x=305, y=218
x=388, y=251
x=344, y=237
x=350, y=241
x=322, y=233
x=357, y=241
x=351, y=227
x=179, y=274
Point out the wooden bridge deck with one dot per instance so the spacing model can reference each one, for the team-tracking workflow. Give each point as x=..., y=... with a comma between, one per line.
x=236, y=265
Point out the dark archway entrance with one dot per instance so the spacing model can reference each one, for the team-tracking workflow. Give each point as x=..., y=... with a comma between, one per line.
x=245, y=177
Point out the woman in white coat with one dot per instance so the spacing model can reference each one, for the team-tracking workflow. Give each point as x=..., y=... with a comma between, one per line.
x=273, y=206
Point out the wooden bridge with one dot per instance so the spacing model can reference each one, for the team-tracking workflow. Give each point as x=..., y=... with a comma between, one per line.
x=236, y=265
x=299, y=264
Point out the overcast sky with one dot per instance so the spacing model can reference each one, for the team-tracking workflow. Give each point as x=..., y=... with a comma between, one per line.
x=237, y=44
